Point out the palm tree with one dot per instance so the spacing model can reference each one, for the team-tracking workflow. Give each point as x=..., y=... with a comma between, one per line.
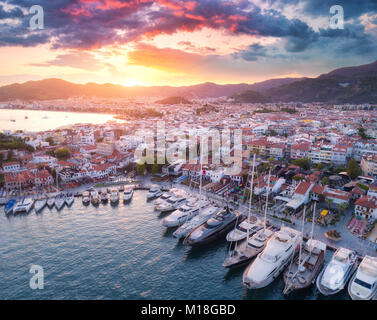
x=342, y=207
x=329, y=202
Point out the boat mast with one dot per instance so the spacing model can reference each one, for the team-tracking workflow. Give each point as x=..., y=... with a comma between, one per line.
x=302, y=235
x=251, y=195
x=312, y=233
x=268, y=191
x=201, y=178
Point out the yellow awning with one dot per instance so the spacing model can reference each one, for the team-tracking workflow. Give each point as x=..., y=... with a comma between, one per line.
x=324, y=213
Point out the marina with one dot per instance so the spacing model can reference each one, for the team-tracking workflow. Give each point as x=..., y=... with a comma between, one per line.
x=122, y=229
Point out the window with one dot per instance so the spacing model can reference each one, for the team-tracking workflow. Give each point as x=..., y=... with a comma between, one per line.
x=363, y=283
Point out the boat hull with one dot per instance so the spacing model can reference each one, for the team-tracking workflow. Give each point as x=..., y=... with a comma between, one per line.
x=326, y=291
x=297, y=285
x=253, y=285
x=211, y=237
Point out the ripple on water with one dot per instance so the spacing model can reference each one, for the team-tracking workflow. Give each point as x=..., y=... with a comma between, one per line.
x=117, y=252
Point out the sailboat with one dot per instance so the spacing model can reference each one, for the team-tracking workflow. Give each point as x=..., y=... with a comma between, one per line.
x=303, y=271
x=40, y=204
x=51, y=202
x=247, y=250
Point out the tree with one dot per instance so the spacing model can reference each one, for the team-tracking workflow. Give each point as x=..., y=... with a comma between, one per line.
x=62, y=153
x=156, y=168
x=353, y=169
x=50, y=140
x=329, y=202
x=342, y=207
x=297, y=178
x=320, y=166
x=303, y=163
x=362, y=133
x=140, y=168
x=325, y=181
x=10, y=155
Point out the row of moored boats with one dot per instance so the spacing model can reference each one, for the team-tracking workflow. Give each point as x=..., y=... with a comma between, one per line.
x=95, y=197
x=266, y=251
x=26, y=204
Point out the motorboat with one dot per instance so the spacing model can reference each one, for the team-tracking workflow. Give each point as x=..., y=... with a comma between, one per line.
x=69, y=199
x=302, y=272
x=85, y=198
x=243, y=253
x=104, y=197
x=363, y=284
x=23, y=205
x=127, y=194
x=9, y=205
x=184, y=213
x=3, y=198
x=40, y=204
x=165, y=196
x=195, y=222
x=334, y=277
x=114, y=196
x=94, y=198
x=171, y=204
x=60, y=201
x=154, y=192
x=251, y=225
x=215, y=227
x=51, y=202
x=279, y=251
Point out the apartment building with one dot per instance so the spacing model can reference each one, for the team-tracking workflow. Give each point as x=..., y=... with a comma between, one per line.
x=369, y=164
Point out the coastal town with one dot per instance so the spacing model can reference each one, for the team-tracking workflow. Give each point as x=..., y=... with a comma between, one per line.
x=315, y=152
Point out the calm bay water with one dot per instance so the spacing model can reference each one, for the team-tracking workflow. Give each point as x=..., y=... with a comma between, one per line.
x=117, y=252
x=39, y=120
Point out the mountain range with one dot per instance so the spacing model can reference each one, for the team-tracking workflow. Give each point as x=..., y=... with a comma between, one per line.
x=355, y=85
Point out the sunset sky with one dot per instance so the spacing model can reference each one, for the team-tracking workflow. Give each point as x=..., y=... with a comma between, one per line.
x=173, y=42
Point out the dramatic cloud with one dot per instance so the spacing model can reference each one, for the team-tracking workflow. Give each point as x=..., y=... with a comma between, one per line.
x=74, y=59
x=252, y=53
x=165, y=59
x=281, y=33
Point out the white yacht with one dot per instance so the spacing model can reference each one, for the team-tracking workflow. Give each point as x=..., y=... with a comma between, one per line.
x=247, y=250
x=60, y=201
x=334, y=277
x=51, y=202
x=363, y=284
x=127, y=194
x=154, y=192
x=165, y=196
x=171, y=204
x=9, y=206
x=23, y=205
x=3, y=198
x=40, y=204
x=278, y=252
x=184, y=213
x=104, y=197
x=240, y=232
x=85, y=198
x=195, y=222
x=69, y=199
x=114, y=196
x=94, y=197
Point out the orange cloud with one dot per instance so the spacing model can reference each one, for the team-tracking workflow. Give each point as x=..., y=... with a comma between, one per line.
x=166, y=59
